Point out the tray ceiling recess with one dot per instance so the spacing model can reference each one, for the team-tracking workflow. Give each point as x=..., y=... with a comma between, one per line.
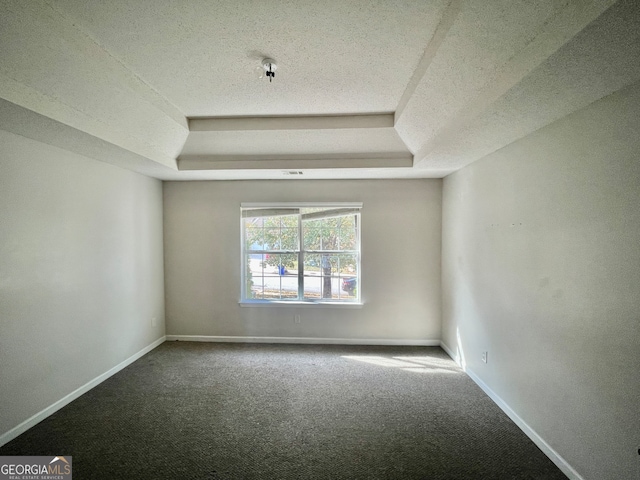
x=294, y=143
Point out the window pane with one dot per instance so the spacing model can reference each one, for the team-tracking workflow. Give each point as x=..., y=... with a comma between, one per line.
x=290, y=263
x=254, y=271
x=349, y=287
x=311, y=263
x=330, y=287
x=290, y=221
x=311, y=230
x=329, y=230
x=347, y=239
x=280, y=233
x=348, y=264
x=272, y=238
x=254, y=221
x=312, y=287
x=330, y=276
x=348, y=272
x=334, y=233
x=271, y=222
x=272, y=263
x=329, y=264
x=254, y=238
x=311, y=276
x=289, y=238
x=322, y=286
x=279, y=277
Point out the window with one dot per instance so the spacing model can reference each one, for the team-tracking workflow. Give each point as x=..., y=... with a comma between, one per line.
x=301, y=252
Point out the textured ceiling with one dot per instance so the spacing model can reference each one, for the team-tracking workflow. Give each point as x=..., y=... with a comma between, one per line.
x=333, y=56
x=119, y=80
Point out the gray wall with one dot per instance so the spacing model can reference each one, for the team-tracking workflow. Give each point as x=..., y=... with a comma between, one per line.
x=81, y=272
x=541, y=268
x=400, y=260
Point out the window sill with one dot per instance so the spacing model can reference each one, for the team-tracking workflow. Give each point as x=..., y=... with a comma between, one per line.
x=298, y=304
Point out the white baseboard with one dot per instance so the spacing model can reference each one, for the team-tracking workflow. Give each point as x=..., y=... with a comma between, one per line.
x=453, y=356
x=554, y=456
x=305, y=340
x=51, y=409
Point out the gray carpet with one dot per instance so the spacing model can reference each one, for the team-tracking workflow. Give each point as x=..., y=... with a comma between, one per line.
x=248, y=411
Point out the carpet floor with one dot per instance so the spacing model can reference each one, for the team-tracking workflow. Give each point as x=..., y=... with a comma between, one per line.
x=255, y=411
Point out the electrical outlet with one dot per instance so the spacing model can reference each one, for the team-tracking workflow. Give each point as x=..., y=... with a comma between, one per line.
x=296, y=319
x=484, y=356
x=154, y=321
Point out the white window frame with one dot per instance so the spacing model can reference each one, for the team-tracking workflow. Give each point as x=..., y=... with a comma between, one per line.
x=244, y=301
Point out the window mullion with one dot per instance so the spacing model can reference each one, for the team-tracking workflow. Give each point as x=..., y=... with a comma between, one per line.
x=300, y=260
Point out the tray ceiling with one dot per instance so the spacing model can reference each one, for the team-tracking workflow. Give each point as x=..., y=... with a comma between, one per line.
x=364, y=89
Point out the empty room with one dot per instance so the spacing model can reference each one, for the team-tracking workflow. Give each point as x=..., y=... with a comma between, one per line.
x=382, y=239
